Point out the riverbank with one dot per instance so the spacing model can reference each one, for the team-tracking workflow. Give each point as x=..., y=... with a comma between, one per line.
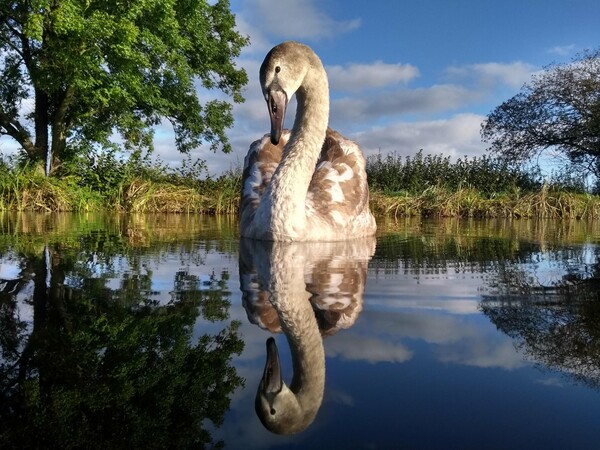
x=545, y=203
x=418, y=186
x=221, y=196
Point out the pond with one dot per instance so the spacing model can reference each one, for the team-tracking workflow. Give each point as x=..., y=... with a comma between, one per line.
x=168, y=331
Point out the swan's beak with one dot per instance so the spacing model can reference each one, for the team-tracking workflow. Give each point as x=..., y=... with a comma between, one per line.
x=272, y=382
x=277, y=103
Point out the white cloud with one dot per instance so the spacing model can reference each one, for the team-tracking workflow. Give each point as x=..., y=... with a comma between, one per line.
x=562, y=50
x=289, y=19
x=357, y=77
x=484, y=353
x=551, y=381
x=8, y=146
x=489, y=74
x=258, y=41
x=452, y=338
x=433, y=328
x=435, y=99
x=456, y=136
x=357, y=347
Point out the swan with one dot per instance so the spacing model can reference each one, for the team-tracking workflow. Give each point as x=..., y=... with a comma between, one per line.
x=309, y=184
x=306, y=290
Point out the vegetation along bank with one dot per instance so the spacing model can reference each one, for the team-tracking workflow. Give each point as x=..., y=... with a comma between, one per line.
x=99, y=80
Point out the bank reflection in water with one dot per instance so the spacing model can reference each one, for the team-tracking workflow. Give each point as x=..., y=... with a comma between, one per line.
x=83, y=365
x=307, y=291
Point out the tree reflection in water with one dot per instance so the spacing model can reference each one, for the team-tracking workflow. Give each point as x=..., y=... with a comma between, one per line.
x=554, y=320
x=542, y=278
x=97, y=367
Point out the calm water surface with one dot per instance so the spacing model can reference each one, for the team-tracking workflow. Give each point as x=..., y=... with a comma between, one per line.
x=150, y=331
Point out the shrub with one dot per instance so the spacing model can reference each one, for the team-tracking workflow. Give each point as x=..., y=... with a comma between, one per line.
x=415, y=174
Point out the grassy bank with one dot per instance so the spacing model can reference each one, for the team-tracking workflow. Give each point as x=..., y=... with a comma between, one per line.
x=428, y=186
x=467, y=202
x=433, y=186
x=134, y=185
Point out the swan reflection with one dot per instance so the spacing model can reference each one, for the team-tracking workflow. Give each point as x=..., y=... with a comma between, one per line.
x=306, y=291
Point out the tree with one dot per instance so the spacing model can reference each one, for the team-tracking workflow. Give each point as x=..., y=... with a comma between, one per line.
x=93, y=69
x=559, y=110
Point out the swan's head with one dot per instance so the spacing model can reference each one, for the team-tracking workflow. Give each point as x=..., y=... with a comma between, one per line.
x=276, y=405
x=281, y=75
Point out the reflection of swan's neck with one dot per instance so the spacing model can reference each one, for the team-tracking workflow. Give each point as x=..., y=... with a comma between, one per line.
x=286, y=410
x=308, y=355
x=294, y=277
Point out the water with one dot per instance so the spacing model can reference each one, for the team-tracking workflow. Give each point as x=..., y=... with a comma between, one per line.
x=150, y=331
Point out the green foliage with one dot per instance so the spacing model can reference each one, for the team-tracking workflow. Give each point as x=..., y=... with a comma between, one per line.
x=25, y=188
x=416, y=174
x=109, y=172
x=559, y=110
x=440, y=202
x=432, y=186
x=419, y=185
x=96, y=68
x=568, y=179
x=107, y=179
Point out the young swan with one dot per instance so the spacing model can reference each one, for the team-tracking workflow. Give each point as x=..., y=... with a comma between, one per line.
x=309, y=184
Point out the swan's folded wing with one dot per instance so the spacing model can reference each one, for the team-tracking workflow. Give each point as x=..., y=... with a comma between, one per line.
x=339, y=189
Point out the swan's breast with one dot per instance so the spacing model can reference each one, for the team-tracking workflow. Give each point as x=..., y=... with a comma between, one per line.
x=259, y=165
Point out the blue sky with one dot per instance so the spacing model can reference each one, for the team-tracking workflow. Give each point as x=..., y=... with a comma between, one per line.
x=403, y=75
x=410, y=75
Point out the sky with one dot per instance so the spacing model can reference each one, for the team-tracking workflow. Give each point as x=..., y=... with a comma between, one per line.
x=403, y=75
x=411, y=75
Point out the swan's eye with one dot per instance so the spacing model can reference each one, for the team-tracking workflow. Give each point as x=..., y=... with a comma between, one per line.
x=277, y=69
x=273, y=411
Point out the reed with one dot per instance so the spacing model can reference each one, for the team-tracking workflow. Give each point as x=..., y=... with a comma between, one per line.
x=421, y=186
x=468, y=202
x=213, y=197
x=223, y=193
x=433, y=186
x=26, y=189
x=415, y=174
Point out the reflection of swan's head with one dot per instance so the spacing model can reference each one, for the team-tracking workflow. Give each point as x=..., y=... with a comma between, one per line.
x=277, y=407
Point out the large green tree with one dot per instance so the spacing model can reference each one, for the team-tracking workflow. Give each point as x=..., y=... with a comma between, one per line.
x=558, y=110
x=75, y=73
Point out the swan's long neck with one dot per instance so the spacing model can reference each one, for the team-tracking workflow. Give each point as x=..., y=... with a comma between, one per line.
x=290, y=182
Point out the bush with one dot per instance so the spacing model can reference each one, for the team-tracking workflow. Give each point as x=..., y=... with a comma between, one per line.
x=415, y=174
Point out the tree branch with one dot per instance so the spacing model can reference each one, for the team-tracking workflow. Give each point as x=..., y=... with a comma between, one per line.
x=15, y=130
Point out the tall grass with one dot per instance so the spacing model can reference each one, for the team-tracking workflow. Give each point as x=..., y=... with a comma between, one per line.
x=421, y=185
x=417, y=174
x=25, y=188
x=432, y=185
x=468, y=202
x=107, y=181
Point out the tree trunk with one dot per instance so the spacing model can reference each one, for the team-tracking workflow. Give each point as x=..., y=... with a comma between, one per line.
x=41, y=126
x=59, y=131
